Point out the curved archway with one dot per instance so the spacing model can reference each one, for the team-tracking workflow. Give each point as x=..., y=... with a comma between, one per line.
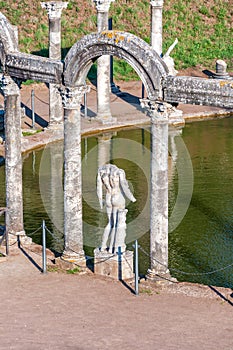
x=8, y=38
x=146, y=62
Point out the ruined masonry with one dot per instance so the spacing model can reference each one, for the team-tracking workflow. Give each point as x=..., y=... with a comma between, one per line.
x=162, y=91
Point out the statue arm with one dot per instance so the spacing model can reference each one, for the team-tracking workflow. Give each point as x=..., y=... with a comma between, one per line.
x=99, y=189
x=125, y=187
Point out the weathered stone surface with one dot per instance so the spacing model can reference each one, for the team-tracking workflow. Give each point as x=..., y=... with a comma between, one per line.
x=25, y=66
x=112, y=181
x=157, y=25
x=73, y=232
x=13, y=159
x=159, y=114
x=199, y=91
x=103, y=66
x=8, y=38
x=116, y=266
x=103, y=5
x=221, y=71
x=54, y=10
x=134, y=50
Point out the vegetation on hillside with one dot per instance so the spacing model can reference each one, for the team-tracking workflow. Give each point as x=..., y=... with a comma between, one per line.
x=203, y=27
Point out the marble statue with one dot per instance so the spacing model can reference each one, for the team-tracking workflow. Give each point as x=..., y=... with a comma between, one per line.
x=169, y=60
x=113, y=181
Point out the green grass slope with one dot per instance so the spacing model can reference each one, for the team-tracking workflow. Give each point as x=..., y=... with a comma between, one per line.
x=204, y=28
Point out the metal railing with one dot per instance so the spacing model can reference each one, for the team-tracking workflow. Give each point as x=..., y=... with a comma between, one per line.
x=5, y=234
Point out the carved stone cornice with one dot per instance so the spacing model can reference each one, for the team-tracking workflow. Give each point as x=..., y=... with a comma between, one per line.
x=72, y=96
x=103, y=5
x=158, y=111
x=8, y=86
x=54, y=8
x=157, y=4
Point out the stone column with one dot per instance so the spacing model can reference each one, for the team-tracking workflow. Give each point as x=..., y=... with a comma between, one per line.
x=157, y=25
x=54, y=10
x=103, y=67
x=73, y=231
x=176, y=117
x=159, y=114
x=221, y=71
x=13, y=159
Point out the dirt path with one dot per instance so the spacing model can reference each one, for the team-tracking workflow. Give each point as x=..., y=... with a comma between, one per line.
x=85, y=312
x=82, y=311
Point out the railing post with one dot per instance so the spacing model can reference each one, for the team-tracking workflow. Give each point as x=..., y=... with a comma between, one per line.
x=119, y=264
x=33, y=108
x=44, y=258
x=136, y=267
x=7, y=242
x=85, y=105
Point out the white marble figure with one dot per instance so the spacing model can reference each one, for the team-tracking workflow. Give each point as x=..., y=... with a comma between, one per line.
x=169, y=60
x=116, y=187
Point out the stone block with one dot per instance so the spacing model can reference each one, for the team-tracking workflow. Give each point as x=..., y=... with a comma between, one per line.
x=116, y=266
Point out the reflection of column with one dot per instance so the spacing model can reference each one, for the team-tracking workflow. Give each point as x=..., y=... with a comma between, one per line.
x=56, y=197
x=157, y=25
x=54, y=10
x=159, y=114
x=172, y=160
x=103, y=66
x=73, y=234
x=13, y=159
x=104, y=148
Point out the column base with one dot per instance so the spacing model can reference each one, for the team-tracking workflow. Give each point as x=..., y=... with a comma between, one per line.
x=155, y=276
x=222, y=76
x=76, y=258
x=176, y=117
x=20, y=237
x=55, y=126
x=106, y=119
x=113, y=265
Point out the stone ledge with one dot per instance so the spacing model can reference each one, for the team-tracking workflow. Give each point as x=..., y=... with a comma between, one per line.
x=111, y=265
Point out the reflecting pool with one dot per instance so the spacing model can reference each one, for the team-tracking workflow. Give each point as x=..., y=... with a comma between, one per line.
x=200, y=195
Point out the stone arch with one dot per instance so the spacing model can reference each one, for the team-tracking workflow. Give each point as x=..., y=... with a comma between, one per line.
x=8, y=38
x=145, y=61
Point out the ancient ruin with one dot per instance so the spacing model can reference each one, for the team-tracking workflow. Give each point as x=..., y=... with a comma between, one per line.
x=163, y=90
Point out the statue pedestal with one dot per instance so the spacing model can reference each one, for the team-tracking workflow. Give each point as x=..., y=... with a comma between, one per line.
x=116, y=266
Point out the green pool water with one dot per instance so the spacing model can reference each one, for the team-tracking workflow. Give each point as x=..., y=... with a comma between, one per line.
x=202, y=241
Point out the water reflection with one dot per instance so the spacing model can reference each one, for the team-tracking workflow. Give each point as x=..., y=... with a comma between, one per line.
x=51, y=189
x=202, y=241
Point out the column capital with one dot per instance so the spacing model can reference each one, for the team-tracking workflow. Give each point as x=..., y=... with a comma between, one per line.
x=158, y=111
x=103, y=5
x=72, y=96
x=54, y=8
x=157, y=3
x=8, y=86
